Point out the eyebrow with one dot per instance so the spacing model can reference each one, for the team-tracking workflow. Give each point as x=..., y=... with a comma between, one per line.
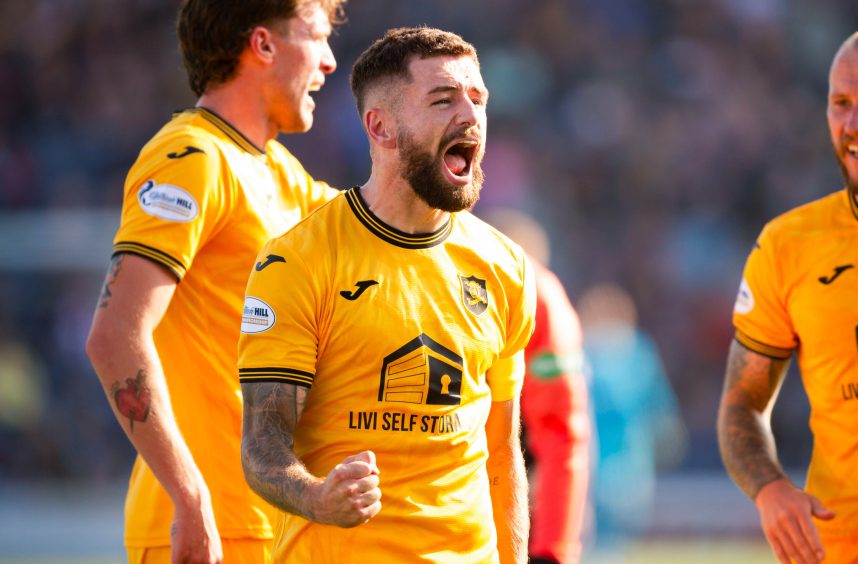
x=453, y=88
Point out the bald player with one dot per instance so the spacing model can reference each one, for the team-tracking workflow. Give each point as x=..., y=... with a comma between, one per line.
x=798, y=296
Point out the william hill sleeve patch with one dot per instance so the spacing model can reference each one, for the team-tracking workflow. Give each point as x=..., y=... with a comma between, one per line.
x=167, y=202
x=257, y=316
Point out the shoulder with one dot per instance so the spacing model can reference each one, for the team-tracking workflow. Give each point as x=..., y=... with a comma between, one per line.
x=182, y=143
x=493, y=245
x=280, y=154
x=280, y=157
x=187, y=127
x=811, y=219
x=318, y=231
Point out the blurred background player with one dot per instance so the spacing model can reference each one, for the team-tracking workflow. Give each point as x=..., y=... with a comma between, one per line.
x=553, y=404
x=203, y=197
x=798, y=295
x=638, y=426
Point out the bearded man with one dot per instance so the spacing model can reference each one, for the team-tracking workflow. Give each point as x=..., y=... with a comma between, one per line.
x=382, y=346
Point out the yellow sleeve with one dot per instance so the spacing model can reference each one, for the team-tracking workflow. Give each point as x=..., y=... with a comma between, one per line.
x=760, y=313
x=506, y=377
x=279, y=337
x=174, y=198
x=522, y=311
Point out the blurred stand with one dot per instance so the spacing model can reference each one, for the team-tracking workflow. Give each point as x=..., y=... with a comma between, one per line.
x=651, y=139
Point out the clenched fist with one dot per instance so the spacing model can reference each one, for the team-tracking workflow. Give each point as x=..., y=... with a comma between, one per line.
x=349, y=495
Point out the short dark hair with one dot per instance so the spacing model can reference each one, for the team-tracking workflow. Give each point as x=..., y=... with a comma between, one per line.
x=213, y=33
x=390, y=56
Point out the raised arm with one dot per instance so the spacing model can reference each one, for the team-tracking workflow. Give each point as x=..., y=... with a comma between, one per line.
x=135, y=296
x=748, y=449
x=507, y=481
x=348, y=496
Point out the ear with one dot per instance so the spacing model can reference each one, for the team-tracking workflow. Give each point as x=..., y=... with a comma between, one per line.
x=261, y=44
x=380, y=127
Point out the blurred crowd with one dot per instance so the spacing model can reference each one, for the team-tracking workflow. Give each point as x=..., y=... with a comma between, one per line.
x=652, y=140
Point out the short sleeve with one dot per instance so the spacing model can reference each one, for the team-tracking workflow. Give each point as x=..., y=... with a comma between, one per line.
x=173, y=199
x=506, y=377
x=522, y=311
x=279, y=325
x=760, y=313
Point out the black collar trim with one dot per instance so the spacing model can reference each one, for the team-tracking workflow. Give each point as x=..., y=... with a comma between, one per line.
x=391, y=234
x=229, y=130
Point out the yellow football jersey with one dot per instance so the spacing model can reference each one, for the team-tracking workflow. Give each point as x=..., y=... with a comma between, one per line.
x=397, y=336
x=201, y=200
x=800, y=293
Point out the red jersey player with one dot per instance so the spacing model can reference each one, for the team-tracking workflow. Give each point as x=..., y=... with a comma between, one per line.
x=553, y=405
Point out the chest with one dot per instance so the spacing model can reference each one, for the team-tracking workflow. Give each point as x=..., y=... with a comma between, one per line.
x=263, y=209
x=406, y=315
x=823, y=296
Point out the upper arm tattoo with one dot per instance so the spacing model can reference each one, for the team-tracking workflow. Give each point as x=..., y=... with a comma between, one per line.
x=273, y=470
x=744, y=433
x=112, y=275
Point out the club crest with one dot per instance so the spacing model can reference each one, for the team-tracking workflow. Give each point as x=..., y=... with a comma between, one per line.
x=474, y=294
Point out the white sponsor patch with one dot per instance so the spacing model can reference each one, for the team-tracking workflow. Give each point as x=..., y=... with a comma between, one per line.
x=257, y=316
x=168, y=202
x=745, y=299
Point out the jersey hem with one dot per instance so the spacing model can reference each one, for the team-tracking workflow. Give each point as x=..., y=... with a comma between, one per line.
x=161, y=540
x=762, y=348
x=838, y=535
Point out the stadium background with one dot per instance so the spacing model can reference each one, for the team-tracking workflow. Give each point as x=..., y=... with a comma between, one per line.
x=652, y=139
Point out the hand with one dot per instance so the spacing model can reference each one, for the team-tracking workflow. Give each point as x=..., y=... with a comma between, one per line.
x=194, y=535
x=785, y=514
x=350, y=495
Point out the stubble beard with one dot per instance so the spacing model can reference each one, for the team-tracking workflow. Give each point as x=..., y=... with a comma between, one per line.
x=422, y=170
x=851, y=183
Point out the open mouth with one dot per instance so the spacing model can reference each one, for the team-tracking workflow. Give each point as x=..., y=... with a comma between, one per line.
x=458, y=158
x=852, y=149
x=312, y=90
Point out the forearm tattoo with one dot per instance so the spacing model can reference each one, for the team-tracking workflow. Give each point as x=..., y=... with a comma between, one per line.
x=744, y=435
x=112, y=274
x=134, y=400
x=271, y=413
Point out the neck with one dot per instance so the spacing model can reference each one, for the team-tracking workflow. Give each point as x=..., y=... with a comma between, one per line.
x=245, y=112
x=393, y=201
